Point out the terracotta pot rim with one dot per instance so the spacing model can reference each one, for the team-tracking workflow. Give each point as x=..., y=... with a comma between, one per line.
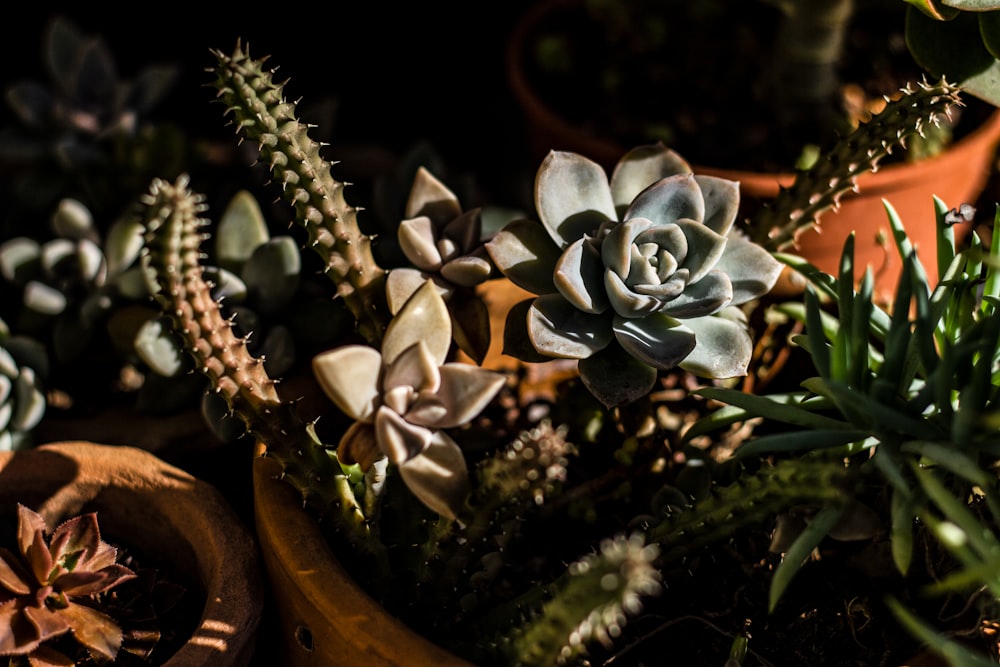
x=348, y=626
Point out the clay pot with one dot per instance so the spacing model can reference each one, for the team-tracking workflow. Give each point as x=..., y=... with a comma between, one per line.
x=956, y=176
x=152, y=506
x=325, y=618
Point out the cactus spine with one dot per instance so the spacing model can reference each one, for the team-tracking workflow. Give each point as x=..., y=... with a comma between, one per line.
x=262, y=115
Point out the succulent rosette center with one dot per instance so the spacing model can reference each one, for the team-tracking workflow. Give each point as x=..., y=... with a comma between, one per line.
x=640, y=273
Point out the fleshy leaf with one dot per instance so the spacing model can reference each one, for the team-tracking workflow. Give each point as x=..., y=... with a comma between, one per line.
x=349, y=376
x=579, y=277
x=399, y=439
x=655, y=340
x=424, y=317
x=669, y=200
x=466, y=390
x=572, y=196
x=526, y=255
x=438, y=477
x=722, y=202
x=723, y=348
x=615, y=377
x=641, y=167
x=430, y=197
x=557, y=329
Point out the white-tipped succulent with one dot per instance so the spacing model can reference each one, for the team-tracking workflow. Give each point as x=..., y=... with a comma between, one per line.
x=404, y=396
x=638, y=274
x=444, y=244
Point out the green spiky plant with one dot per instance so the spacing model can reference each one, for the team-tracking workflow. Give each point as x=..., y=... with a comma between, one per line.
x=468, y=564
x=908, y=399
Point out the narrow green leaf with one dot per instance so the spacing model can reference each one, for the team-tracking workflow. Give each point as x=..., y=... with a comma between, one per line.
x=901, y=532
x=801, y=441
x=954, y=653
x=819, y=352
x=797, y=554
x=764, y=406
x=992, y=287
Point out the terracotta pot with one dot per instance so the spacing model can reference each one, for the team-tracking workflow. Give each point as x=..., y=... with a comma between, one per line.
x=325, y=618
x=159, y=509
x=956, y=176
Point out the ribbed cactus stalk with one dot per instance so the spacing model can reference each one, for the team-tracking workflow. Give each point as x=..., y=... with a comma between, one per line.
x=544, y=638
x=262, y=115
x=797, y=207
x=601, y=592
x=751, y=499
x=174, y=232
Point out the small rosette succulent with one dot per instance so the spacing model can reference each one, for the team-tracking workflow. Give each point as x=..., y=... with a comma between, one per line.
x=638, y=274
x=443, y=244
x=48, y=588
x=404, y=396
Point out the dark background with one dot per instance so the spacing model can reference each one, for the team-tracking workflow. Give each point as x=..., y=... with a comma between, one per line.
x=396, y=73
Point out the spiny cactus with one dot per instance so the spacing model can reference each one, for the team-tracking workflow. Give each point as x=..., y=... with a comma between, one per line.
x=262, y=115
x=798, y=207
x=172, y=218
x=602, y=591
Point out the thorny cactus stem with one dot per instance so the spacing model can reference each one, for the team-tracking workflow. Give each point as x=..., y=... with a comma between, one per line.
x=262, y=115
x=753, y=499
x=173, y=223
x=798, y=207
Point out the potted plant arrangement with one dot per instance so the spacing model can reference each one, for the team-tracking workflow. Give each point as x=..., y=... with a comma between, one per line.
x=463, y=525
x=756, y=89
x=414, y=504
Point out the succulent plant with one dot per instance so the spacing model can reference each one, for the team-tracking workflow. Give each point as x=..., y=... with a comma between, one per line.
x=23, y=362
x=48, y=588
x=403, y=398
x=444, y=244
x=85, y=132
x=637, y=275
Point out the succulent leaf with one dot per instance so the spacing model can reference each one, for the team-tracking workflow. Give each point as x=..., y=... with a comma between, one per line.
x=47, y=589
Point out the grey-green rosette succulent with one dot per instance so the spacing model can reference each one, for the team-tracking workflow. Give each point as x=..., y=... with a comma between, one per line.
x=637, y=274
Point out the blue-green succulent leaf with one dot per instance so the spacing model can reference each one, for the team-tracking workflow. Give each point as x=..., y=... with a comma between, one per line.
x=705, y=297
x=557, y=329
x=655, y=340
x=669, y=200
x=579, y=277
x=240, y=231
x=272, y=274
x=723, y=347
x=524, y=253
x=572, y=197
x=641, y=167
x=615, y=377
x=752, y=270
x=722, y=202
